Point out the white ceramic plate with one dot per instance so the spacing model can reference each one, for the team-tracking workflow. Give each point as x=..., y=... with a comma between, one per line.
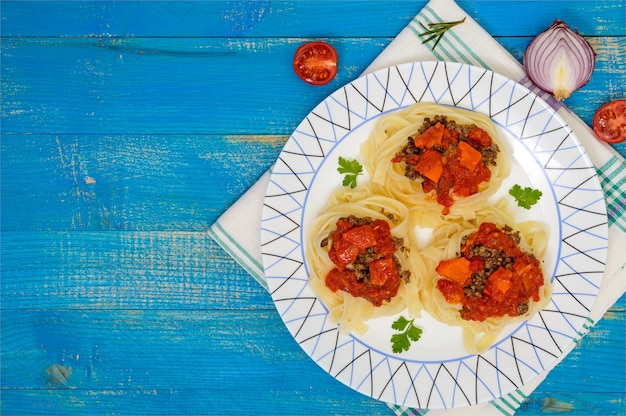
x=437, y=372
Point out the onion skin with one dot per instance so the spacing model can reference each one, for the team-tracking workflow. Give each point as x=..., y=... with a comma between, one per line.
x=559, y=60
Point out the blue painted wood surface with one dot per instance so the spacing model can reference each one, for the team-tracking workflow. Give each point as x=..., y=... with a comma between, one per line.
x=128, y=128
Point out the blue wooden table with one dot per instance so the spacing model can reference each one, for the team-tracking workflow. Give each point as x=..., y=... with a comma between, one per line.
x=128, y=128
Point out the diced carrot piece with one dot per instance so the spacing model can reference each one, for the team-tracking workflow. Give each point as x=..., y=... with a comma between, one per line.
x=430, y=137
x=458, y=269
x=430, y=165
x=498, y=283
x=362, y=236
x=469, y=157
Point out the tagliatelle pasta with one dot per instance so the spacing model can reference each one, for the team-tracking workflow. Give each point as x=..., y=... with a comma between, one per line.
x=351, y=312
x=478, y=336
x=390, y=135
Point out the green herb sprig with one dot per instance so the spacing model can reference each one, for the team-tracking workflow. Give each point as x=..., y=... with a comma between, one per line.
x=436, y=30
x=402, y=342
x=526, y=197
x=350, y=168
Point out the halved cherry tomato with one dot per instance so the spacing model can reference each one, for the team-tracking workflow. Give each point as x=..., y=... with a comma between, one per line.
x=609, y=122
x=315, y=63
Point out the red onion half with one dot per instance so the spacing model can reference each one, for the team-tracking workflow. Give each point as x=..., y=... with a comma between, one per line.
x=559, y=60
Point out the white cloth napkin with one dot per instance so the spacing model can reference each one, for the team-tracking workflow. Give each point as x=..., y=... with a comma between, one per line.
x=465, y=43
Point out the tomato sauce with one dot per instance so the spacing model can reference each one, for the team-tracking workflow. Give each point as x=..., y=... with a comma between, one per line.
x=448, y=163
x=363, y=256
x=506, y=290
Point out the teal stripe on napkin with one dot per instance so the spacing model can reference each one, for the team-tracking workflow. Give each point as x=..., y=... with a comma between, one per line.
x=407, y=411
x=232, y=247
x=508, y=404
x=613, y=180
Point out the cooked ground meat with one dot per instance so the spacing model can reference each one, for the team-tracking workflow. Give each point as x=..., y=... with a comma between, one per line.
x=405, y=275
x=411, y=173
x=428, y=122
x=493, y=259
x=522, y=308
x=358, y=221
x=361, y=264
x=490, y=154
x=475, y=289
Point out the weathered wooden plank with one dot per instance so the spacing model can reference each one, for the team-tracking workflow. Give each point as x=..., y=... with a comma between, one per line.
x=127, y=182
x=117, y=358
x=311, y=18
x=129, y=353
x=136, y=362
x=123, y=270
x=123, y=348
x=255, y=400
x=578, y=403
x=200, y=86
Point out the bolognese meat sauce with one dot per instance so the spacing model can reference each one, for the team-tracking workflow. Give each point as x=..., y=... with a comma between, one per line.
x=448, y=158
x=492, y=277
x=363, y=252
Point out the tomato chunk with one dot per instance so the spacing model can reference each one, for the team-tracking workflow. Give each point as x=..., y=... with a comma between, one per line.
x=382, y=270
x=432, y=136
x=430, y=165
x=315, y=63
x=479, y=137
x=609, y=122
x=362, y=236
x=451, y=291
x=343, y=253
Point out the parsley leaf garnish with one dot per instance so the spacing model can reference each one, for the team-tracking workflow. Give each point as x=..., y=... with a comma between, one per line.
x=526, y=197
x=352, y=169
x=402, y=342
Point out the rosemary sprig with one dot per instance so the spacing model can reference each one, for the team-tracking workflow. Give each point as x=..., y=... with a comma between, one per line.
x=436, y=30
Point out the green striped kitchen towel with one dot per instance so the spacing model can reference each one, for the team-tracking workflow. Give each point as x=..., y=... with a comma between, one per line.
x=465, y=43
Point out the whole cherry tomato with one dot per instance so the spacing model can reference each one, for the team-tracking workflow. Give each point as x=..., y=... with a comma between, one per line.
x=315, y=63
x=609, y=122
